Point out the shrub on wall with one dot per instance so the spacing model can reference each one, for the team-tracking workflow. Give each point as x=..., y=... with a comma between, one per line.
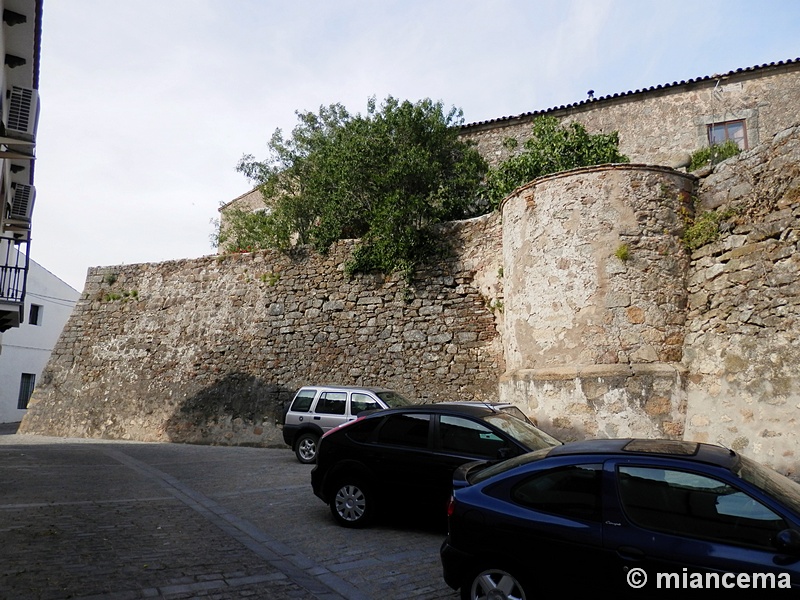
x=385, y=177
x=713, y=154
x=388, y=177
x=552, y=148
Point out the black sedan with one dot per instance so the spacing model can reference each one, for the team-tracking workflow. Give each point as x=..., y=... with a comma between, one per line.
x=623, y=515
x=406, y=456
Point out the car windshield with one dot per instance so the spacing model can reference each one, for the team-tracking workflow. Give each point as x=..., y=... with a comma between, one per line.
x=527, y=434
x=393, y=399
x=774, y=484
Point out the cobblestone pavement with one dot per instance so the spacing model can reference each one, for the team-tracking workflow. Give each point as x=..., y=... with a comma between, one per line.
x=90, y=519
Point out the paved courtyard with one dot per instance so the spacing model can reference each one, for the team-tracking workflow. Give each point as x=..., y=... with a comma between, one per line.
x=85, y=519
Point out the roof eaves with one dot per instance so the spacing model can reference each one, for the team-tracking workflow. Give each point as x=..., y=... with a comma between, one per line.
x=601, y=99
x=37, y=43
x=227, y=204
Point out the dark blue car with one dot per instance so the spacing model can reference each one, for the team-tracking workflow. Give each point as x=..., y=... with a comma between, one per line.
x=630, y=516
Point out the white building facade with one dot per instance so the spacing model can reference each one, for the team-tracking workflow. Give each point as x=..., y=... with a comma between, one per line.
x=25, y=350
x=20, y=41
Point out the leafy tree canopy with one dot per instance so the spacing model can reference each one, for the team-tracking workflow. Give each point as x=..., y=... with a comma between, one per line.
x=551, y=149
x=385, y=177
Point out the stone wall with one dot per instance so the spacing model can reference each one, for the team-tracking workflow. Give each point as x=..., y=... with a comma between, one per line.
x=595, y=267
x=743, y=337
x=662, y=126
x=702, y=346
x=209, y=350
x=596, y=300
x=735, y=378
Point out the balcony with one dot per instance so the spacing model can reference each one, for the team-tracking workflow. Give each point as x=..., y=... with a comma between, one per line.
x=13, y=278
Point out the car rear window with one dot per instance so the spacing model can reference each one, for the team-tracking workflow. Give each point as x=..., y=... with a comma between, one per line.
x=361, y=429
x=393, y=399
x=303, y=400
x=527, y=434
x=332, y=403
x=405, y=430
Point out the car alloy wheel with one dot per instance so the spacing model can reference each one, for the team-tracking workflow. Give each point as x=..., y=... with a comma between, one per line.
x=351, y=505
x=306, y=448
x=493, y=584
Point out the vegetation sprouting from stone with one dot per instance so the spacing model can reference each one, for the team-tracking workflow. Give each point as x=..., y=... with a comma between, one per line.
x=705, y=229
x=714, y=154
x=552, y=148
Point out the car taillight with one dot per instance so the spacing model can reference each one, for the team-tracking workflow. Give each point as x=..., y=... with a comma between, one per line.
x=451, y=506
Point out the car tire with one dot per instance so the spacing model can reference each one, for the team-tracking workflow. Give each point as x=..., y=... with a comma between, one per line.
x=305, y=448
x=493, y=583
x=352, y=503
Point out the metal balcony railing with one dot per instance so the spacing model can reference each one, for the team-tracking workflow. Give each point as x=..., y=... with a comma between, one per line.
x=13, y=279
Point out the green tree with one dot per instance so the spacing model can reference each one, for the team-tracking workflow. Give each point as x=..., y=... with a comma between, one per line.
x=385, y=177
x=552, y=148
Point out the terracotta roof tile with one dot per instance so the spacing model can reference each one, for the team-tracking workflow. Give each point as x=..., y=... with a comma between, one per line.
x=795, y=61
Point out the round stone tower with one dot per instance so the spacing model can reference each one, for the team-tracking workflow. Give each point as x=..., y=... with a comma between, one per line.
x=595, y=299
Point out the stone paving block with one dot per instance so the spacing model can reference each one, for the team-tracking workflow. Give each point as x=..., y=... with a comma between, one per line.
x=88, y=520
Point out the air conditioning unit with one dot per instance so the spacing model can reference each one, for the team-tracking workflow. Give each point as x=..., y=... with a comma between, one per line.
x=23, y=113
x=22, y=197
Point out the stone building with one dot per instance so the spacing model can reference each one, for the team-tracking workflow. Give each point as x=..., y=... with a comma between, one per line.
x=248, y=202
x=663, y=125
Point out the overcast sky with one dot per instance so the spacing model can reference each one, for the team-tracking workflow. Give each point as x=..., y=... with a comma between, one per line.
x=147, y=106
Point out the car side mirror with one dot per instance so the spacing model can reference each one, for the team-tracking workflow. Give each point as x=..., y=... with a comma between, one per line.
x=788, y=540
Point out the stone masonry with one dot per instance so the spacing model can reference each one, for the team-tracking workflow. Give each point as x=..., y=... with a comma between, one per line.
x=660, y=343
x=210, y=350
x=596, y=300
x=742, y=345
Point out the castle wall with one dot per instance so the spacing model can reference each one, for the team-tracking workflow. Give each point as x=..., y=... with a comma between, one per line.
x=742, y=345
x=594, y=268
x=595, y=300
x=702, y=346
x=209, y=350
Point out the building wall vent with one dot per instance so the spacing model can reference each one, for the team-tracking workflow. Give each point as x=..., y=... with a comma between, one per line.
x=22, y=199
x=23, y=113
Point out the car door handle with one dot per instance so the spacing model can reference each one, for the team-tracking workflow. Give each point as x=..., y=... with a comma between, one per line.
x=630, y=553
x=317, y=418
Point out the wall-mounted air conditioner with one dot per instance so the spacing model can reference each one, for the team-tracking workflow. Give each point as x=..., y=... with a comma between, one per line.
x=22, y=197
x=23, y=113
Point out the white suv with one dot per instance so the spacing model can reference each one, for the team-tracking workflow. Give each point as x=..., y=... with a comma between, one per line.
x=316, y=409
